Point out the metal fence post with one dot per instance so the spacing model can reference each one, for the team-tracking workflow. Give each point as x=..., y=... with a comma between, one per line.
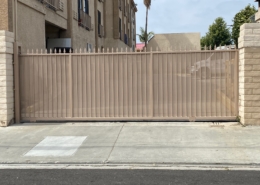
x=70, y=85
x=236, y=82
x=16, y=85
x=151, y=84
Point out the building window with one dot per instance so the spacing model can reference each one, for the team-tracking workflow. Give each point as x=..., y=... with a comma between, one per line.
x=133, y=34
x=99, y=23
x=125, y=35
x=84, y=18
x=89, y=47
x=86, y=8
x=124, y=7
x=120, y=29
x=129, y=13
x=84, y=5
x=133, y=17
x=120, y=4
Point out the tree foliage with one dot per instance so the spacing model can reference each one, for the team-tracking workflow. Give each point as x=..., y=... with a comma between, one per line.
x=241, y=18
x=143, y=37
x=217, y=35
x=148, y=3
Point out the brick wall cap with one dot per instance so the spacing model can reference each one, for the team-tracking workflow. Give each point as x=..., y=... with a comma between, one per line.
x=250, y=26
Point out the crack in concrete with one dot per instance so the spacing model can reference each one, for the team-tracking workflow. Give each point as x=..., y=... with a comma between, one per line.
x=114, y=144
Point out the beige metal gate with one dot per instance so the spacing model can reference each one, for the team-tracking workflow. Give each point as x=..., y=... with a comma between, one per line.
x=129, y=86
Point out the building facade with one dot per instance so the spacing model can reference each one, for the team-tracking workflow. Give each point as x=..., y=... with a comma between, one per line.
x=49, y=24
x=120, y=24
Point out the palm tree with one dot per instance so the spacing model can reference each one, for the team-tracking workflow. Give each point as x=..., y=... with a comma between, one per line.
x=143, y=37
x=147, y=3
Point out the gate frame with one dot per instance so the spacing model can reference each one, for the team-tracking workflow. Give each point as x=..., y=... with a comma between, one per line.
x=17, y=90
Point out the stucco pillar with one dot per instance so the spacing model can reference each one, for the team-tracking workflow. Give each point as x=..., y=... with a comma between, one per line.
x=6, y=78
x=257, y=16
x=249, y=74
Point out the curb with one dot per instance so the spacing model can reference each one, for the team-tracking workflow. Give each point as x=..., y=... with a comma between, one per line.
x=201, y=167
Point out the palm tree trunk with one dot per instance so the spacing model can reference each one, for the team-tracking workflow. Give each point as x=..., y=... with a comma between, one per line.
x=146, y=27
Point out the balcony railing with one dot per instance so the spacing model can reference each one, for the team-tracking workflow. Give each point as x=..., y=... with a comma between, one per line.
x=53, y=4
x=84, y=20
x=101, y=32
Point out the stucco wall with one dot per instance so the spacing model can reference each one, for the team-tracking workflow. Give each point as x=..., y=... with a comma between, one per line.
x=109, y=24
x=80, y=36
x=58, y=18
x=257, y=16
x=31, y=27
x=115, y=43
x=31, y=19
x=175, y=41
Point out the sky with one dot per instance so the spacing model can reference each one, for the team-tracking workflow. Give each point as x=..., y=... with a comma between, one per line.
x=182, y=16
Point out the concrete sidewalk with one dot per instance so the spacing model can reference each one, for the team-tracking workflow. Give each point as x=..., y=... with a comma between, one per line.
x=131, y=143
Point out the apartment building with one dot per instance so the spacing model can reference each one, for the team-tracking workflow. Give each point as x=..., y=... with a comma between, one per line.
x=120, y=24
x=49, y=24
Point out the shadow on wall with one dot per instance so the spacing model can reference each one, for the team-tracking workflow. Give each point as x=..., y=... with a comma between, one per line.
x=175, y=41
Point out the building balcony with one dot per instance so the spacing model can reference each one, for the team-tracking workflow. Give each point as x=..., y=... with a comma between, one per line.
x=84, y=20
x=53, y=4
x=101, y=32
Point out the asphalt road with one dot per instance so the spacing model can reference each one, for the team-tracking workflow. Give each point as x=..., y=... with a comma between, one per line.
x=133, y=177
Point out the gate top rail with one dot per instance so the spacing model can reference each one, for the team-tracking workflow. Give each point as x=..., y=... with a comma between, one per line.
x=111, y=51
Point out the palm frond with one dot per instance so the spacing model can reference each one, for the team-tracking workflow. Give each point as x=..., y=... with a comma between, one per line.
x=148, y=3
x=143, y=37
